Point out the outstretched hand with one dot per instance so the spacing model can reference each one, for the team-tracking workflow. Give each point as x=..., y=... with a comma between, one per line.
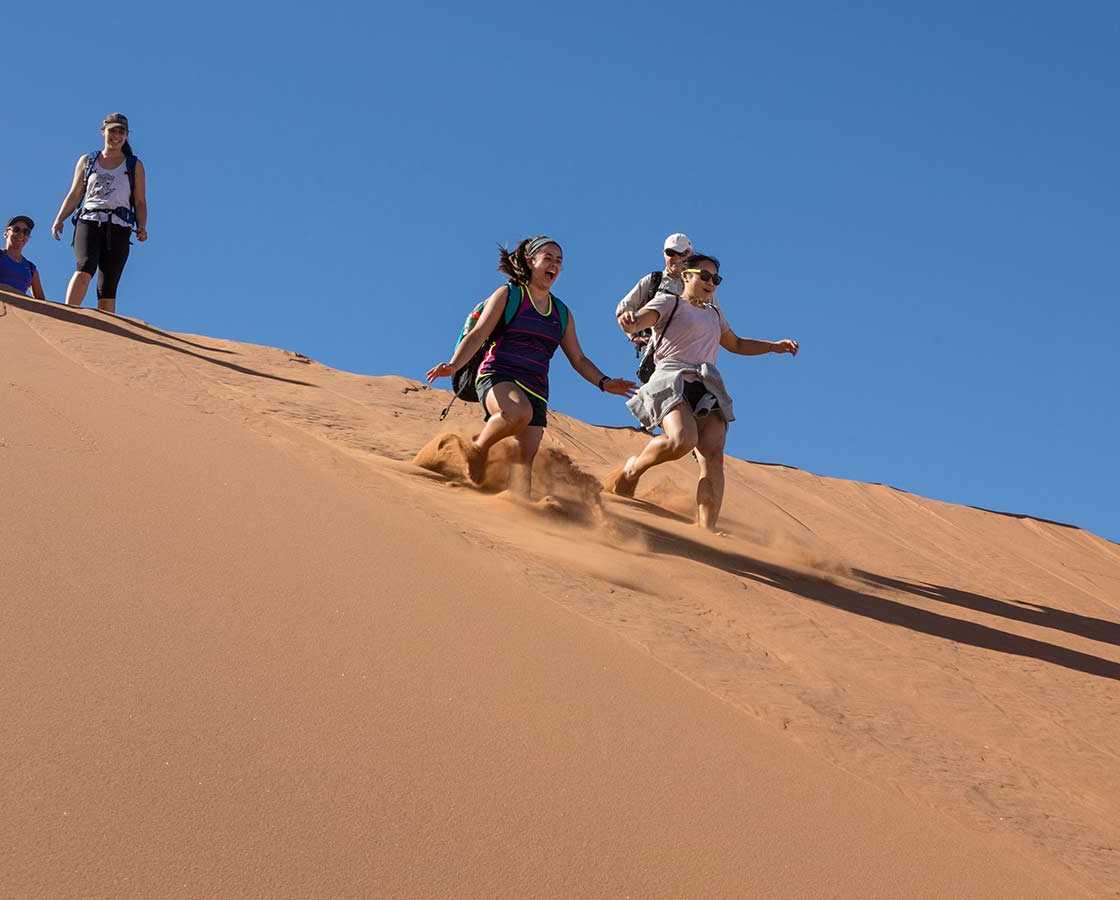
x=788, y=345
x=440, y=371
x=620, y=386
x=627, y=319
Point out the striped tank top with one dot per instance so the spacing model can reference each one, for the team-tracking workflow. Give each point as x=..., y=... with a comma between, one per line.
x=524, y=350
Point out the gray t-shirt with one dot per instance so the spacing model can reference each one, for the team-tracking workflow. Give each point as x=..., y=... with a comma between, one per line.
x=693, y=333
x=641, y=293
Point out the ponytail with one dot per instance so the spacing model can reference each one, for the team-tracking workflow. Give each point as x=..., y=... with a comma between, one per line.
x=513, y=263
x=127, y=148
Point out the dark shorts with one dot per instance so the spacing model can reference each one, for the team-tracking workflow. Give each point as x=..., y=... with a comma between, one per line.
x=103, y=248
x=486, y=383
x=694, y=392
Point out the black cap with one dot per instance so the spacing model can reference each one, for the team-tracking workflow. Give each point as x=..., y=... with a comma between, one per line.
x=115, y=120
x=12, y=221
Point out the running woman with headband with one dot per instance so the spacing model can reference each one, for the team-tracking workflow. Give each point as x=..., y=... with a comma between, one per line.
x=513, y=376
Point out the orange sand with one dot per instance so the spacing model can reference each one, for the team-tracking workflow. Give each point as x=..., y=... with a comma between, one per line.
x=249, y=648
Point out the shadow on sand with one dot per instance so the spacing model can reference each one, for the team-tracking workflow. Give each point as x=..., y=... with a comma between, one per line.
x=892, y=612
x=167, y=334
x=75, y=317
x=1019, y=611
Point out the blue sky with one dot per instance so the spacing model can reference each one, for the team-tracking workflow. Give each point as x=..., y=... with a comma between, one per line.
x=927, y=198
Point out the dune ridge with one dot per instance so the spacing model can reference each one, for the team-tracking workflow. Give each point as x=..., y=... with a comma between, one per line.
x=954, y=669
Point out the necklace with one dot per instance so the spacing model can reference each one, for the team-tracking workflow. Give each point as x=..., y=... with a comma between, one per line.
x=533, y=301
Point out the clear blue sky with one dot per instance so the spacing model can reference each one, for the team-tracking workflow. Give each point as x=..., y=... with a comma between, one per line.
x=926, y=196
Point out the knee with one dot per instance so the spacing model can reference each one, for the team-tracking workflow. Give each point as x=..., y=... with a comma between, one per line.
x=711, y=461
x=82, y=274
x=679, y=445
x=519, y=415
x=713, y=456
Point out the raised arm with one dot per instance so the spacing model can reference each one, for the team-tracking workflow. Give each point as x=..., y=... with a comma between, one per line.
x=730, y=341
x=468, y=347
x=71, y=200
x=569, y=343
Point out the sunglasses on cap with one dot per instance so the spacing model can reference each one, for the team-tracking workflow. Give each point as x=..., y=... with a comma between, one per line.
x=19, y=229
x=673, y=253
x=705, y=275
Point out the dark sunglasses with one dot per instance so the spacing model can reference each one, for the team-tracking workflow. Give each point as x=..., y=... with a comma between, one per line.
x=19, y=229
x=673, y=253
x=705, y=275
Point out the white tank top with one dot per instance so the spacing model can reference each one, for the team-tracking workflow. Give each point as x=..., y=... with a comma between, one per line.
x=106, y=190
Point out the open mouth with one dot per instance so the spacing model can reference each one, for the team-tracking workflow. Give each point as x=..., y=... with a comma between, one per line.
x=551, y=273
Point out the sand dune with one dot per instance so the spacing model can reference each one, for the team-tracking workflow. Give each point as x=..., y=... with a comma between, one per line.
x=251, y=648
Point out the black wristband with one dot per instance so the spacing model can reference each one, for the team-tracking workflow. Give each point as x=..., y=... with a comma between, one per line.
x=603, y=380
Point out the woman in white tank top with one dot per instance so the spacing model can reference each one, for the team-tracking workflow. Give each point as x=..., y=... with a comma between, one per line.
x=109, y=200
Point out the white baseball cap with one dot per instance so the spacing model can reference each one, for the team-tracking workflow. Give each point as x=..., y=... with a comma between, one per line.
x=679, y=243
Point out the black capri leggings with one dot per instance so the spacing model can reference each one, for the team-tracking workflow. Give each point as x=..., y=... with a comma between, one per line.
x=102, y=246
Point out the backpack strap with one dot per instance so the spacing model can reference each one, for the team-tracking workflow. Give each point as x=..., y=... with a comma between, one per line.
x=654, y=283
x=513, y=302
x=562, y=310
x=91, y=161
x=676, y=303
x=130, y=162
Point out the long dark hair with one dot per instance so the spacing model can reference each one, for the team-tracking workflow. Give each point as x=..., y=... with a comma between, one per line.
x=513, y=262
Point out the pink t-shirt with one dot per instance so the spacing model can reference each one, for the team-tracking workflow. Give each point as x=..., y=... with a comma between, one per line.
x=693, y=334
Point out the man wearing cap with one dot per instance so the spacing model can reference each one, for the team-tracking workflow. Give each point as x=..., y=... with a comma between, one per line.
x=18, y=273
x=677, y=249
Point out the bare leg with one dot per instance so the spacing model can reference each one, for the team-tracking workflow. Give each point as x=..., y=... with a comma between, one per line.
x=76, y=289
x=709, y=489
x=107, y=304
x=521, y=478
x=510, y=413
x=678, y=439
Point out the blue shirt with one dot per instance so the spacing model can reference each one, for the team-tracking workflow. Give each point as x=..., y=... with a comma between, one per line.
x=16, y=275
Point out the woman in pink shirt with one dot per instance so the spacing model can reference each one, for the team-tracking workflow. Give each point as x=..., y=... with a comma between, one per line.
x=685, y=396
